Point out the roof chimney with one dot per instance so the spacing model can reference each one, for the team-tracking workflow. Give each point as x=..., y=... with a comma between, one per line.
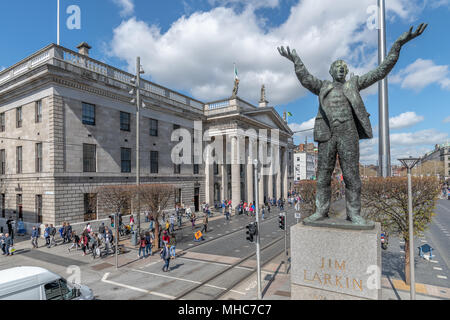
x=83, y=48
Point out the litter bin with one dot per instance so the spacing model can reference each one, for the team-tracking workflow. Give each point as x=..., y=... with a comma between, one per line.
x=134, y=238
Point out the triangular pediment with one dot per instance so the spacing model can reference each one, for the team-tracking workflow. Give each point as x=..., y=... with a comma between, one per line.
x=269, y=117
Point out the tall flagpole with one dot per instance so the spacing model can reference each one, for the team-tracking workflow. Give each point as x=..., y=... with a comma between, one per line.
x=57, y=32
x=384, y=148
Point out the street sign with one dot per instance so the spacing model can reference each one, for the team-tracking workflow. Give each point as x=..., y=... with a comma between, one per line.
x=198, y=235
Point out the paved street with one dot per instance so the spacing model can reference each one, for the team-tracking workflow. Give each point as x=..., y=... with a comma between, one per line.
x=436, y=271
x=225, y=246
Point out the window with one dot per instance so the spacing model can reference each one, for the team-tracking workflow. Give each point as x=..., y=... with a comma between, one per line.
x=38, y=208
x=196, y=169
x=89, y=158
x=125, y=159
x=19, y=117
x=38, y=159
x=153, y=127
x=19, y=160
x=90, y=206
x=88, y=114
x=178, y=196
x=53, y=291
x=176, y=168
x=153, y=161
x=2, y=161
x=3, y=202
x=38, y=111
x=124, y=121
x=2, y=122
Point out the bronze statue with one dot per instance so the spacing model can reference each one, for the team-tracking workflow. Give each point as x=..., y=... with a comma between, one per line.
x=341, y=122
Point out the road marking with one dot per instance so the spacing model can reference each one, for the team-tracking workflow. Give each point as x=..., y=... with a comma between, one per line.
x=186, y=280
x=437, y=268
x=136, y=289
x=442, y=277
x=150, y=264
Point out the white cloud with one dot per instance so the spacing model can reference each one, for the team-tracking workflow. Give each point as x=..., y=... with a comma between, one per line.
x=422, y=73
x=423, y=137
x=300, y=136
x=447, y=120
x=127, y=7
x=405, y=120
x=197, y=52
x=252, y=3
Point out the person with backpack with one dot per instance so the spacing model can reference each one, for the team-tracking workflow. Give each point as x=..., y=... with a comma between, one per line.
x=165, y=255
x=34, y=237
x=108, y=240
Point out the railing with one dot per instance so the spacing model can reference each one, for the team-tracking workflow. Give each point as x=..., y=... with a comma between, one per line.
x=218, y=105
x=68, y=56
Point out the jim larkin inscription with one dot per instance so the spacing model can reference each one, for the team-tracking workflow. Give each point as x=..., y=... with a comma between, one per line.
x=341, y=122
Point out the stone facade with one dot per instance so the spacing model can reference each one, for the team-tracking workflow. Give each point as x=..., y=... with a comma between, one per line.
x=61, y=81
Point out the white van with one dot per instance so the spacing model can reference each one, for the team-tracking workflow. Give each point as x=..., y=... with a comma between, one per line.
x=33, y=283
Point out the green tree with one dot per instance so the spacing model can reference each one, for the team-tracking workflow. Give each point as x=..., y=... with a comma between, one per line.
x=385, y=200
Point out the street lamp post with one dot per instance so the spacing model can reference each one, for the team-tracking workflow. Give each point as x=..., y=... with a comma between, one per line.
x=137, y=82
x=258, y=258
x=409, y=163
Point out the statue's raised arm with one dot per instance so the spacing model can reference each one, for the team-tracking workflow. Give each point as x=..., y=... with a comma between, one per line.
x=388, y=64
x=306, y=79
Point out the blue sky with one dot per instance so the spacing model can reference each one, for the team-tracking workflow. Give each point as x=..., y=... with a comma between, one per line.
x=190, y=46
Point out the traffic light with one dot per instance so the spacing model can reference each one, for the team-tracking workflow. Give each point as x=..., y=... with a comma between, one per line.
x=252, y=231
x=281, y=222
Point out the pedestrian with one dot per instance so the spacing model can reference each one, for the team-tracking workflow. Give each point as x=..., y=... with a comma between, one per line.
x=108, y=240
x=95, y=245
x=165, y=255
x=102, y=230
x=21, y=231
x=65, y=232
x=52, y=236
x=84, y=241
x=47, y=235
x=34, y=237
x=205, y=224
x=173, y=244
x=9, y=243
x=148, y=244
x=75, y=241
x=263, y=211
x=142, y=246
x=61, y=231
x=165, y=237
x=132, y=222
x=2, y=243
x=172, y=223
x=9, y=223
x=193, y=217
x=152, y=221
x=69, y=232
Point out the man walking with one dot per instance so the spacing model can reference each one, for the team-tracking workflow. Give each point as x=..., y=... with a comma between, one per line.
x=9, y=224
x=52, y=236
x=205, y=223
x=165, y=255
x=34, y=237
x=2, y=244
x=47, y=235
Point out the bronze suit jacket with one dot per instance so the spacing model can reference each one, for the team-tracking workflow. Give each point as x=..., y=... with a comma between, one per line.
x=322, y=131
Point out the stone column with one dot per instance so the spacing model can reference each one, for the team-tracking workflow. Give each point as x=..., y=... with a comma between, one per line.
x=262, y=147
x=279, y=172
x=235, y=174
x=250, y=170
x=223, y=172
x=285, y=172
x=209, y=181
x=270, y=176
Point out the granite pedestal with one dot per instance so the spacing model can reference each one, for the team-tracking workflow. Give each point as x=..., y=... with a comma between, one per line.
x=335, y=264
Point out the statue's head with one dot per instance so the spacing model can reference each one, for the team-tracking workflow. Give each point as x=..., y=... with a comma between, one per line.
x=339, y=70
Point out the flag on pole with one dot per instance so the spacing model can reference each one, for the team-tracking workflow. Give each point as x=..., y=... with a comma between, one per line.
x=236, y=77
x=289, y=114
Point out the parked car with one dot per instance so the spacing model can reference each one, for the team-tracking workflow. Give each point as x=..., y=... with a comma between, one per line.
x=34, y=283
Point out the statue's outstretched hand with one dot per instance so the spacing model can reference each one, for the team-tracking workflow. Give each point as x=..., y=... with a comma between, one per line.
x=409, y=35
x=288, y=54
